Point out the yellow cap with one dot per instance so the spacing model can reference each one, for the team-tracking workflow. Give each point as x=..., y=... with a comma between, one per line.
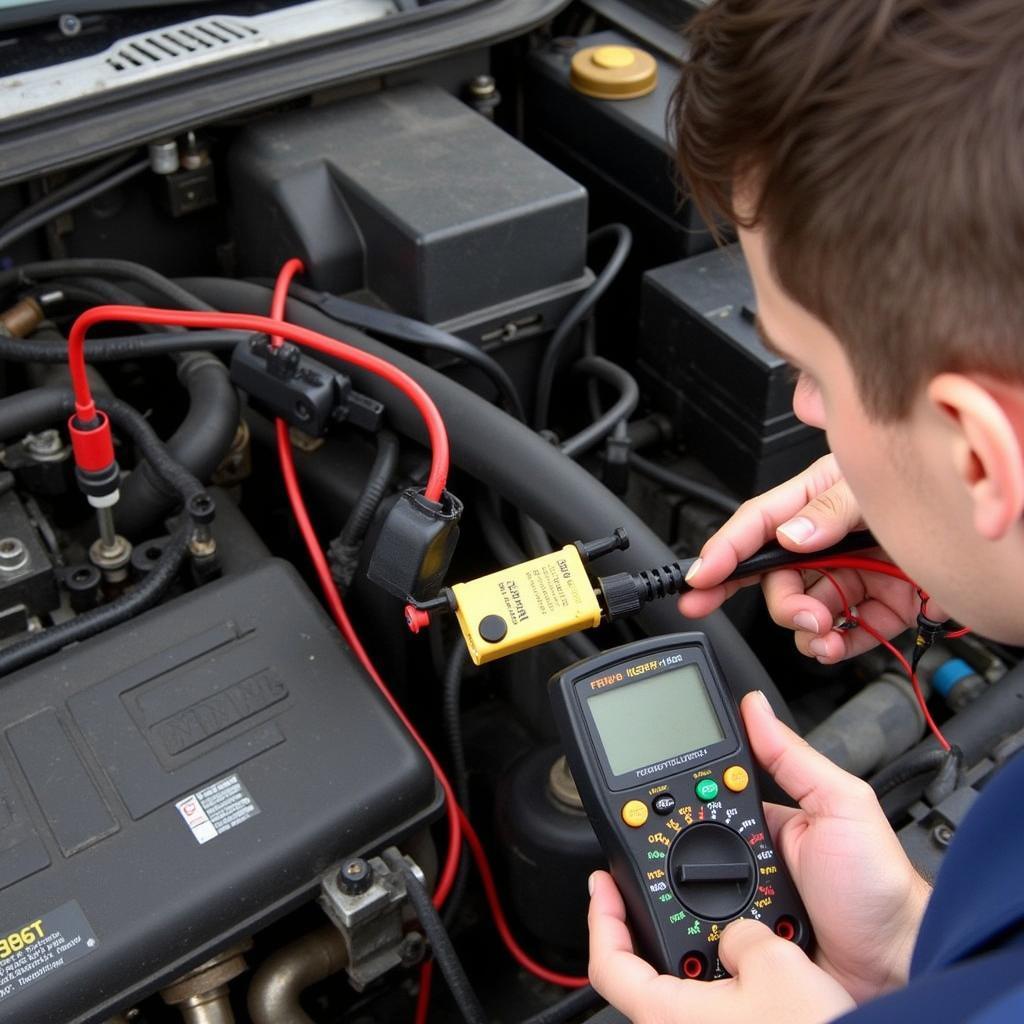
x=634, y=813
x=735, y=778
x=613, y=72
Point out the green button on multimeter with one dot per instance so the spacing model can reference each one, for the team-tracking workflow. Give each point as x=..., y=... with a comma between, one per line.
x=706, y=789
x=653, y=718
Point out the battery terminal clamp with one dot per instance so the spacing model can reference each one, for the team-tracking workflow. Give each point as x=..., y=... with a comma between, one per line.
x=299, y=389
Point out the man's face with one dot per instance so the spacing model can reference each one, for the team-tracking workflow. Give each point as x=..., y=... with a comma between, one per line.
x=898, y=472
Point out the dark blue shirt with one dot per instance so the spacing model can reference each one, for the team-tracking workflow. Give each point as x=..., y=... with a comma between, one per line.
x=968, y=964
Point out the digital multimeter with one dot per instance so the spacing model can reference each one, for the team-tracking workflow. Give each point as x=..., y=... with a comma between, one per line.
x=661, y=761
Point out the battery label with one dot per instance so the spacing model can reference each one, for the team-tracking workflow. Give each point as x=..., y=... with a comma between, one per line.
x=217, y=808
x=37, y=949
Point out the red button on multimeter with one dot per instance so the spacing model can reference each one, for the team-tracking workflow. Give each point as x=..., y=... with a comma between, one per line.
x=655, y=718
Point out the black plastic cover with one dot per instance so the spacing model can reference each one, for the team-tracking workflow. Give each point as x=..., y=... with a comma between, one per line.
x=179, y=781
x=415, y=545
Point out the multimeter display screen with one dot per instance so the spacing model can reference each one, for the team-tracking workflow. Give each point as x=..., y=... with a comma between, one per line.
x=666, y=715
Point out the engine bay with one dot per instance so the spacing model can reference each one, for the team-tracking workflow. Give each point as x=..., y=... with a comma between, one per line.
x=279, y=372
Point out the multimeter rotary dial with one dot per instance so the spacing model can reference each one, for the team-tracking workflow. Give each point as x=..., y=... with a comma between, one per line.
x=712, y=871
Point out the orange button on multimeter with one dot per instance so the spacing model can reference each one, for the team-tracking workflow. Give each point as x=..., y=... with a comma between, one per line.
x=735, y=778
x=634, y=813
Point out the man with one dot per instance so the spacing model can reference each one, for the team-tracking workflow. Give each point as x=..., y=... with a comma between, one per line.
x=869, y=155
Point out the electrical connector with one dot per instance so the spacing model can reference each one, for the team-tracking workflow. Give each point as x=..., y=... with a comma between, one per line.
x=415, y=546
x=92, y=445
x=301, y=390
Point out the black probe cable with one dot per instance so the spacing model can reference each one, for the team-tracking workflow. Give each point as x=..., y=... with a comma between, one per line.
x=625, y=592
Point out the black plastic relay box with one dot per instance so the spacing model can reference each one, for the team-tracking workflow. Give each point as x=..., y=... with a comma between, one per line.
x=180, y=781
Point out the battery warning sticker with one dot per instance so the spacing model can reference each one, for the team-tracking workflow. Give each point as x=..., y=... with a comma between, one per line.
x=217, y=808
x=38, y=948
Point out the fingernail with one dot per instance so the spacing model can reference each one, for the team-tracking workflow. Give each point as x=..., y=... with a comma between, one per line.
x=818, y=647
x=590, y=885
x=765, y=702
x=799, y=530
x=693, y=570
x=805, y=620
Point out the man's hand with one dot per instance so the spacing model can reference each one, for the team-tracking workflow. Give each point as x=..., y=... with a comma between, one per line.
x=863, y=896
x=772, y=979
x=812, y=511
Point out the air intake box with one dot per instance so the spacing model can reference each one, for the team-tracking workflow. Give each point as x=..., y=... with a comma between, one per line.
x=702, y=362
x=173, y=784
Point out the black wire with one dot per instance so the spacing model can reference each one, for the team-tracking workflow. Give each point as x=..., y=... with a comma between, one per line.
x=577, y=1002
x=29, y=273
x=555, y=352
x=415, y=332
x=624, y=407
x=108, y=350
x=84, y=180
x=447, y=959
x=683, y=485
x=452, y=692
x=13, y=234
x=496, y=534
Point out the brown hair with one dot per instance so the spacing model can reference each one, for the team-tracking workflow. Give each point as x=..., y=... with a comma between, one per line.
x=884, y=140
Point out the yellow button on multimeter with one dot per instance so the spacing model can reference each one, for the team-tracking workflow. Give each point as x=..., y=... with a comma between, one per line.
x=735, y=778
x=634, y=813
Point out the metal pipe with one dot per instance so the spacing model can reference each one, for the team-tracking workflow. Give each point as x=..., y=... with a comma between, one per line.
x=275, y=988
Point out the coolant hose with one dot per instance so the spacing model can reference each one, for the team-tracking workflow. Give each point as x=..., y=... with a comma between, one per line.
x=526, y=470
x=199, y=444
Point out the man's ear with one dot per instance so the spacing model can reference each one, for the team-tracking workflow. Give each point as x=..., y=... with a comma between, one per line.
x=987, y=419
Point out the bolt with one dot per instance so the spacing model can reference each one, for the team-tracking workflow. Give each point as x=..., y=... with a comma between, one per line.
x=942, y=834
x=43, y=445
x=13, y=554
x=355, y=876
x=69, y=24
x=482, y=87
x=411, y=950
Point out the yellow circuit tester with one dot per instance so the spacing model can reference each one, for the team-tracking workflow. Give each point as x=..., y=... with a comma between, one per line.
x=530, y=603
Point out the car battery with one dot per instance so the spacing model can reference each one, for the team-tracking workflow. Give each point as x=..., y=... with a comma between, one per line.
x=702, y=363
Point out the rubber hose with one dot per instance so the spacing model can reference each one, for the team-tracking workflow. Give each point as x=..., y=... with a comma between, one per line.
x=893, y=775
x=556, y=349
x=416, y=332
x=29, y=273
x=511, y=459
x=109, y=350
x=683, y=485
x=996, y=713
x=624, y=407
x=447, y=959
x=451, y=700
x=377, y=483
x=567, y=1008
x=199, y=444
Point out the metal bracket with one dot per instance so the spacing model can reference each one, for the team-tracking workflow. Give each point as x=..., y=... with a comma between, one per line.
x=369, y=914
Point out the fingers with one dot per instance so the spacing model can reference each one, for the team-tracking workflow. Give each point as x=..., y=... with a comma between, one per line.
x=827, y=518
x=820, y=787
x=620, y=976
x=749, y=949
x=809, y=512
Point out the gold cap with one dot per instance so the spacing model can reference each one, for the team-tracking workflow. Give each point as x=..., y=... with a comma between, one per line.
x=613, y=72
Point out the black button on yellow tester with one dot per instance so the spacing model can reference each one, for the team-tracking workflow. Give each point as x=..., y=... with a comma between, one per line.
x=640, y=724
